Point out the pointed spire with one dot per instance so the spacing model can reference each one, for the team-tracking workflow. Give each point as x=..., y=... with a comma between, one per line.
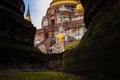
x=28, y=11
x=28, y=14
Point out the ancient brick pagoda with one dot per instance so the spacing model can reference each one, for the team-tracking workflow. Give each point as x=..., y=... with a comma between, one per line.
x=61, y=13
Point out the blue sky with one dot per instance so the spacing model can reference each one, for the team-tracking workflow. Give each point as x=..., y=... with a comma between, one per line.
x=38, y=9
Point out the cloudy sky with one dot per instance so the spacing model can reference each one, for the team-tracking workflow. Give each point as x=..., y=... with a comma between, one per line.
x=38, y=9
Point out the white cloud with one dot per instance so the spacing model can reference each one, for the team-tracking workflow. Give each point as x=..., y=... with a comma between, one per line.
x=38, y=10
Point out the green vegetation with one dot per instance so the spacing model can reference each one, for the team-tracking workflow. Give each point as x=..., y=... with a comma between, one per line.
x=5, y=75
x=70, y=47
x=67, y=58
x=73, y=45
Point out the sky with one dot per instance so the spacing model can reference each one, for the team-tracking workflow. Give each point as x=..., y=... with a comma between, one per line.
x=38, y=9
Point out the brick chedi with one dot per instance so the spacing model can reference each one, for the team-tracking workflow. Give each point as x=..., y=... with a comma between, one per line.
x=61, y=13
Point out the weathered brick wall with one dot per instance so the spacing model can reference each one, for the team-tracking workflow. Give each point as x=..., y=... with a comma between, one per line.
x=97, y=56
x=16, y=36
x=13, y=27
x=15, y=6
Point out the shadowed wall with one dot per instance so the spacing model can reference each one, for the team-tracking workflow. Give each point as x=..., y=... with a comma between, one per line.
x=97, y=56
